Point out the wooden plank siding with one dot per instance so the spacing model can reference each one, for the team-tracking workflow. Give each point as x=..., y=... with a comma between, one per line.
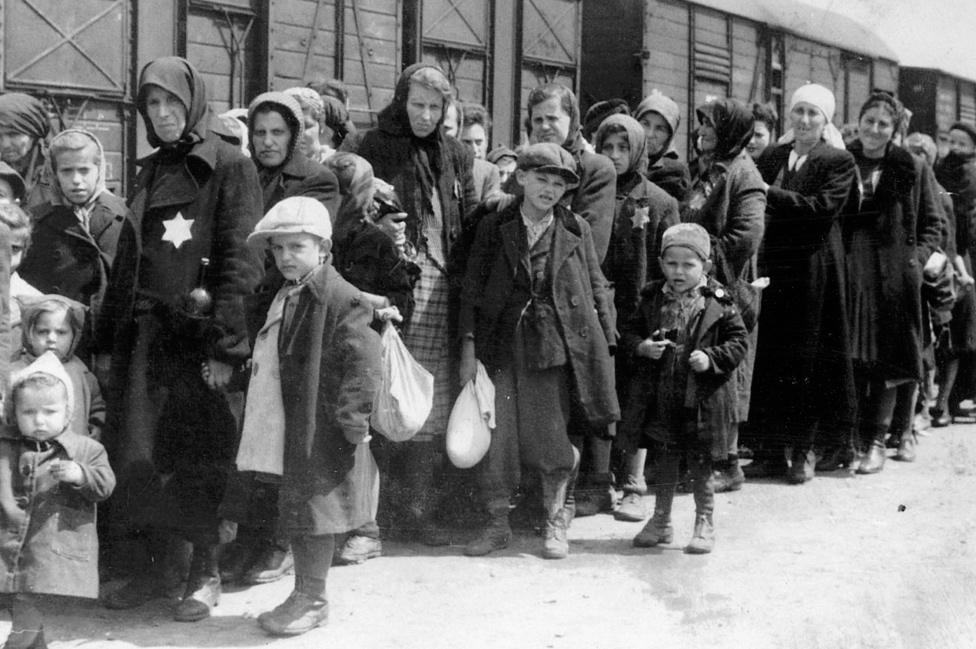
x=748, y=62
x=666, y=67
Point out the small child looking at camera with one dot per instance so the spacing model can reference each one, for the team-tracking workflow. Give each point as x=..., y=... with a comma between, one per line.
x=50, y=482
x=683, y=343
x=52, y=323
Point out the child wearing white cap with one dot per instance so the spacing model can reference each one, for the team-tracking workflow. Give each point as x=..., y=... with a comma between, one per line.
x=314, y=371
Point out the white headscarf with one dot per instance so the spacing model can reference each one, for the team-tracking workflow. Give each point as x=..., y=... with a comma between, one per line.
x=823, y=99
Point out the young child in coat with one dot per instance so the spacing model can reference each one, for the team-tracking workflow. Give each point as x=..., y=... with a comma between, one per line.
x=20, y=236
x=536, y=310
x=76, y=234
x=684, y=342
x=314, y=371
x=50, y=482
x=53, y=323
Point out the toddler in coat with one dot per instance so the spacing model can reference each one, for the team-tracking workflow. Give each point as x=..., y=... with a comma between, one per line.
x=684, y=342
x=50, y=481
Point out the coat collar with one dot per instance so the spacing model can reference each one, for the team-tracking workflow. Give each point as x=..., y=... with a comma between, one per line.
x=566, y=238
x=72, y=443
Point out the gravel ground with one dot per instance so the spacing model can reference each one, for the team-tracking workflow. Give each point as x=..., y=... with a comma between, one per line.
x=884, y=561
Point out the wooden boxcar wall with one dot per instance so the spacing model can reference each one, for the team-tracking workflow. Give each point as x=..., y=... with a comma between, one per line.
x=937, y=100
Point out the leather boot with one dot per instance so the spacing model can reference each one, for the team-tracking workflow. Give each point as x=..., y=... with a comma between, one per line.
x=802, y=467
x=658, y=529
x=497, y=533
x=202, y=587
x=906, y=448
x=729, y=477
x=703, y=538
x=555, y=487
x=873, y=461
x=271, y=564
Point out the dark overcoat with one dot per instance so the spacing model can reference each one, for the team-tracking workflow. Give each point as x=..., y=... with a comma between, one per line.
x=329, y=360
x=580, y=296
x=48, y=542
x=710, y=396
x=65, y=259
x=300, y=176
x=803, y=366
x=896, y=237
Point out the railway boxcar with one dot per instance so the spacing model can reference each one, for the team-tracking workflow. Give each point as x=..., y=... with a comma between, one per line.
x=749, y=50
x=937, y=99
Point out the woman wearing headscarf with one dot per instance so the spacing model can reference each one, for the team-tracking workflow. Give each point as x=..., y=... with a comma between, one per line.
x=888, y=236
x=275, y=124
x=660, y=117
x=803, y=380
x=728, y=199
x=956, y=172
x=24, y=131
x=643, y=212
x=431, y=174
x=174, y=308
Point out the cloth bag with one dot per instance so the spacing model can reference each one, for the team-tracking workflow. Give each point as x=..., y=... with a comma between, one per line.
x=471, y=421
x=406, y=393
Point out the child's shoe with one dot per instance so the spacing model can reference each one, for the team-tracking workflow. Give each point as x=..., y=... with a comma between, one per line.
x=703, y=539
x=631, y=508
x=271, y=565
x=556, y=544
x=657, y=530
x=496, y=535
x=26, y=640
x=358, y=549
x=199, y=602
x=296, y=615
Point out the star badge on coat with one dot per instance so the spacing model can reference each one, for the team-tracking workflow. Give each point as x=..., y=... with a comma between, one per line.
x=640, y=217
x=178, y=230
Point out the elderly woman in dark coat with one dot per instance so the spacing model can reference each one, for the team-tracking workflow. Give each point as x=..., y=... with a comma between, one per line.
x=956, y=172
x=660, y=117
x=275, y=127
x=173, y=439
x=24, y=131
x=803, y=380
x=728, y=199
x=432, y=176
x=888, y=237
x=643, y=212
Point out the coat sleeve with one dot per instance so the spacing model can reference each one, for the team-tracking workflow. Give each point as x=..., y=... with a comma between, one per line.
x=602, y=299
x=359, y=355
x=739, y=242
x=734, y=337
x=595, y=200
x=932, y=219
x=487, y=243
x=99, y=479
x=236, y=269
x=635, y=330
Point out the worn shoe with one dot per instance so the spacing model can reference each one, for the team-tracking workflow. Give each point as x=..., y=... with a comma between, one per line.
x=940, y=419
x=590, y=502
x=556, y=543
x=703, y=538
x=235, y=561
x=358, y=549
x=729, y=479
x=906, y=448
x=837, y=458
x=873, y=461
x=493, y=537
x=135, y=593
x=631, y=509
x=199, y=603
x=658, y=530
x=296, y=615
x=803, y=467
x=26, y=640
x=271, y=565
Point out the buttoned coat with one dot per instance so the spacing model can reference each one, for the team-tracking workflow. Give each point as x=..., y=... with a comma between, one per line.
x=329, y=363
x=48, y=542
x=580, y=295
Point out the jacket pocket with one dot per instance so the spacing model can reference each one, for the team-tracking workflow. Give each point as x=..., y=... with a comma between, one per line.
x=74, y=538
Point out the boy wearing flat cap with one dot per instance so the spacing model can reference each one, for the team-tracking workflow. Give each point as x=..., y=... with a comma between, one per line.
x=314, y=371
x=684, y=343
x=536, y=310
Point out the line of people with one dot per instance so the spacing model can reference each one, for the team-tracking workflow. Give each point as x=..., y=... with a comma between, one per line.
x=218, y=333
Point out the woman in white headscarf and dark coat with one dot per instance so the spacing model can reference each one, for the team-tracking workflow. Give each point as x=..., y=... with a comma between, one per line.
x=169, y=313
x=803, y=386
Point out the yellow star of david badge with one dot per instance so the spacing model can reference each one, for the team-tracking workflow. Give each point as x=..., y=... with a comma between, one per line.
x=640, y=217
x=178, y=230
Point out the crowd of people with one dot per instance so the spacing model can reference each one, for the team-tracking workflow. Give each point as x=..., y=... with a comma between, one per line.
x=204, y=357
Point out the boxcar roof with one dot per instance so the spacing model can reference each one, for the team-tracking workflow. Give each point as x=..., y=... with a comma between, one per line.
x=808, y=22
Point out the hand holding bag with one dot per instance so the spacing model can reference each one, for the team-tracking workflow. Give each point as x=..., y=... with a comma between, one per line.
x=471, y=421
x=406, y=393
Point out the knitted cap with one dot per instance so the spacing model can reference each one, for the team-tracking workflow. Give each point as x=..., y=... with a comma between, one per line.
x=688, y=235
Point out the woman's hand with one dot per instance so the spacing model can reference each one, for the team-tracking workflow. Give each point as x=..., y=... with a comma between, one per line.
x=216, y=374
x=699, y=361
x=469, y=364
x=388, y=313
x=653, y=349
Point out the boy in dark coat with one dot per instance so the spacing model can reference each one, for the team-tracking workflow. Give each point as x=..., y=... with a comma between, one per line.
x=314, y=372
x=48, y=543
x=685, y=342
x=536, y=310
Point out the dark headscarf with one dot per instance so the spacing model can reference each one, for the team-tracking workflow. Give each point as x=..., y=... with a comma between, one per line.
x=733, y=124
x=428, y=154
x=634, y=133
x=601, y=110
x=178, y=77
x=24, y=114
